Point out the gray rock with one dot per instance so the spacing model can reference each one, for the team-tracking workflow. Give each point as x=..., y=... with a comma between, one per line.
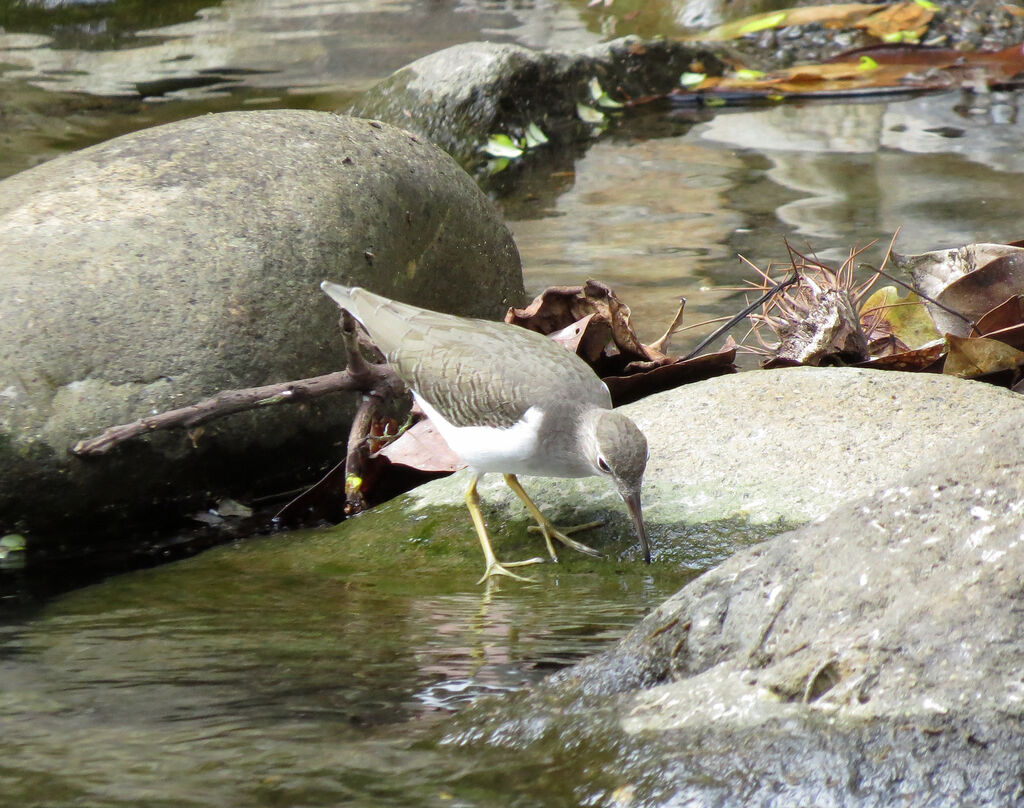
x=870, y=657
x=459, y=96
x=163, y=266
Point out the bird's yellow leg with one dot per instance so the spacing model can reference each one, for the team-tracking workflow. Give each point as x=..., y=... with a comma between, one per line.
x=493, y=566
x=546, y=528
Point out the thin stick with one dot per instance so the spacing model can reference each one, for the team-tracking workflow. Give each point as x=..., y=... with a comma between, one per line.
x=793, y=278
x=357, y=454
x=360, y=375
x=923, y=296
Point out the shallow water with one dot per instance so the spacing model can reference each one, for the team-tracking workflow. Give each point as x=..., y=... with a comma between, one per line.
x=661, y=206
x=291, y=670
x=665, y=204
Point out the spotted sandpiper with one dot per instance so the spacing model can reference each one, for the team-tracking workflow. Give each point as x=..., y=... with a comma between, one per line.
x=507, y=400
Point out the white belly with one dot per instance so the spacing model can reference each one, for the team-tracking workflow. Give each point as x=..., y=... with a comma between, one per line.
x=513, y=450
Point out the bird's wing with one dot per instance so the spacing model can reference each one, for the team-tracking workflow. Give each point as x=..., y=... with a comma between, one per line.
x=475, y=371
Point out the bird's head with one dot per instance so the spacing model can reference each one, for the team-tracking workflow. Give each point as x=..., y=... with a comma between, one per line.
x=620, y=452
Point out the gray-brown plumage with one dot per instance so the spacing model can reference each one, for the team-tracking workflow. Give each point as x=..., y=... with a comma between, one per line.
x=430, y=350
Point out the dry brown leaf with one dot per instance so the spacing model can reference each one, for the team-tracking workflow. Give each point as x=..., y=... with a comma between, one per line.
x=835, y=16
x=1012, y=336
x=571, y=336
x=918, y=360
x=659, y=376
x=976, y=356
x=980, y=291
x=900, y=18
x=885, y=67
x=1007, y=314
x=560, y=307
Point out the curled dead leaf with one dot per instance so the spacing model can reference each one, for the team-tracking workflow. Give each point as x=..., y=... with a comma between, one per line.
x=932, y=272
x=1007, y=314
x=972, y=357
x=591, y=320
x=928, y=359
x=559, y=307
x=975, y=294
x=647, y=378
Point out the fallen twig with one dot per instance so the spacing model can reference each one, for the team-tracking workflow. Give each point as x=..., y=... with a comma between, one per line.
x=793, y=277
x=360, y=375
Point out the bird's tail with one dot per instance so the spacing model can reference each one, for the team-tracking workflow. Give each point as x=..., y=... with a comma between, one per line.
x=388, y=322
x=342, y=295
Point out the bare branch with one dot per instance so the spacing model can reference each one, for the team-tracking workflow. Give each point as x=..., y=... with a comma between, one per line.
x=358, y=453
x=793, y=277
x=379, y=380
x=232, y=401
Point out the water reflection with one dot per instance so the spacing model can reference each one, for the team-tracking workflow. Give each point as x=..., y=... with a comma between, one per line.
x=270, y=668
x=936, y=167
x=664, y=217
x=290, y=45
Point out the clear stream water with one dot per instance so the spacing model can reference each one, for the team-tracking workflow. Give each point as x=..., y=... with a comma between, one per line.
x=318, y=669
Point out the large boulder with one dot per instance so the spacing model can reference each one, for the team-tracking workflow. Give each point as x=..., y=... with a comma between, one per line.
x=160, y=267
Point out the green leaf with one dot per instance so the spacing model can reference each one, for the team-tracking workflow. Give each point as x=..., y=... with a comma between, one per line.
x=907, y=317
x=867, y=63
x=714, y=102
x=600, y=97
x=897, y=37
x=749, y=75
x=927, y=4
x=690, y=80
x=535, y=136
x=12, y=542
x=502, y=146
x=497, y=165
x=589, y=114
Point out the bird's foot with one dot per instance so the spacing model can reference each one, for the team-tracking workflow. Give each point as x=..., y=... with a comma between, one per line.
x=562, y=534
x=495, y=568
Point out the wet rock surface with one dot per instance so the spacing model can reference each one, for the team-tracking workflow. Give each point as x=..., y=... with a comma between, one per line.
x=868, y=657
x=460, y=95
x=161, y=267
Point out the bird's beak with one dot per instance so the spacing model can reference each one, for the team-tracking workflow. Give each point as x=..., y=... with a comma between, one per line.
x=632, y=500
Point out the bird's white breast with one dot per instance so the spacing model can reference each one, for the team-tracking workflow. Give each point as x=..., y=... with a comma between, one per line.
x=512, y=450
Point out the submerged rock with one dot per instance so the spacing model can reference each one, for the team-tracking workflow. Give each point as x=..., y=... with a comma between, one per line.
x=161, y=267
x=871, y=657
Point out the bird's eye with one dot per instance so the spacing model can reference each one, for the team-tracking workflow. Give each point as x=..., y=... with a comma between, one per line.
x=603, y=465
